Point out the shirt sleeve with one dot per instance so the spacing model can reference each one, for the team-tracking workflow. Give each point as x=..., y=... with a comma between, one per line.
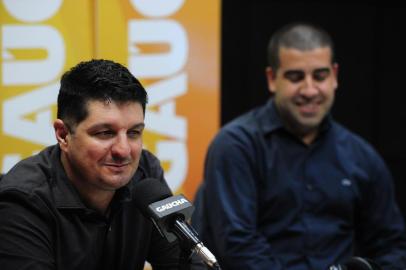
x=380, y=228
x=230, y=197
x=25, y=238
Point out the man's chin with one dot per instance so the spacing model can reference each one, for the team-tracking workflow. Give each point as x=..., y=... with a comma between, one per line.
x=308, y=125
x=116, y=181
x=310, y=120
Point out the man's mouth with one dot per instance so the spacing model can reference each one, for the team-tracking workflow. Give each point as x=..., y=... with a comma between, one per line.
x=117, y=164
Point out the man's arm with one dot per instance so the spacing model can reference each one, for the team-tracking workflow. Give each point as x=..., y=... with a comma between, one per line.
x=380, y=228
x=230, y=198
x=25, y=238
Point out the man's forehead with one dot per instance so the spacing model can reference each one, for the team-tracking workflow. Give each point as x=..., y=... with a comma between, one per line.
x=110, y=104
x=297, y=50
x=109, y=111
x=294, y=59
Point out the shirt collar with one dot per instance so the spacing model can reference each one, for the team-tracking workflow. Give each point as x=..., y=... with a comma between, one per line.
x=271, y=120
x=66, y=195
x=269, y=117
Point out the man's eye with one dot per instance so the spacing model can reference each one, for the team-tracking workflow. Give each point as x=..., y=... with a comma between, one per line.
x=321, y=75
x=105, y=134
x=294, y=76
x=134, y=133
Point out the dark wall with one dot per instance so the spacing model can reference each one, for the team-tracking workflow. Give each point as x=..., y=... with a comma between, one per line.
x=370, y=49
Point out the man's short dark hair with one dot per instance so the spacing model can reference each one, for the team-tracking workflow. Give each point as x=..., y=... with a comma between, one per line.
x=300, y=36
x=96, y=80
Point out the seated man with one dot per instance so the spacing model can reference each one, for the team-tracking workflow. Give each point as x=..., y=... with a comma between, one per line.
x=287, y=187
x=71, y=206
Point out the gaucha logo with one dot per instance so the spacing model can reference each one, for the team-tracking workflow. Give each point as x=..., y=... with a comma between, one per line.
x=170, y=205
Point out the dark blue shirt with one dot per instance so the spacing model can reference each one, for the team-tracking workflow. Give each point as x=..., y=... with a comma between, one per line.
x=271, y=202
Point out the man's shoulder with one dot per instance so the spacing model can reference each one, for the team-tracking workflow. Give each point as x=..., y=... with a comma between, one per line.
x=149, y=164
x=148, y=157
x=354, y=142
x=247, y=127
x=30, y=173
x=248, y=122
x=344, y=133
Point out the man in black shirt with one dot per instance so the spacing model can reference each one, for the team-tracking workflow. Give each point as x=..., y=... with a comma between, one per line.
x=71, y=206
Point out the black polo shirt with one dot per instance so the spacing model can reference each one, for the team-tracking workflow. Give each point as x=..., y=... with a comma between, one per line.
x=45, y=225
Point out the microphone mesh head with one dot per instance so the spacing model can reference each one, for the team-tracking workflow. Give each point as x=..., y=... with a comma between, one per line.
x=149, y=190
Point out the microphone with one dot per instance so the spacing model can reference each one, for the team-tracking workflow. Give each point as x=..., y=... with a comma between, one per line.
x=169, y=214
x=356, y=263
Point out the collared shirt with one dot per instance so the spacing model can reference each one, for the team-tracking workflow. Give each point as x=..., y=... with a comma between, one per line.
x=45, y=225
x=269, y=201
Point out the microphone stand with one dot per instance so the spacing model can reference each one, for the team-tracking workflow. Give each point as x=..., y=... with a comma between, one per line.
x=189, y=241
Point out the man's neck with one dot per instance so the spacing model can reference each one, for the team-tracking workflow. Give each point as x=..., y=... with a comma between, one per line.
x=308, y=138
x=93, y=197
x=98, y=201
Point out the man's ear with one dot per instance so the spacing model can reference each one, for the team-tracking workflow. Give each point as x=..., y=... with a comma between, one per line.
x=270, y=78
x=335, y=71
x=61, y=134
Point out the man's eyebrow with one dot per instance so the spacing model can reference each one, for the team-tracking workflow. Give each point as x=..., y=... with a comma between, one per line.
x=100, y=126
x=324, y=69
x=291, y=71
x=138, y=126
x=110, y=126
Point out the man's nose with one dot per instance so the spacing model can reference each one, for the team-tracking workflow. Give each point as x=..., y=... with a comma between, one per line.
x=121, y=146
x=309, y=88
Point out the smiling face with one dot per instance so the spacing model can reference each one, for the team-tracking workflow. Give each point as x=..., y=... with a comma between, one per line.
x=103, y=151
x=303, y=88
